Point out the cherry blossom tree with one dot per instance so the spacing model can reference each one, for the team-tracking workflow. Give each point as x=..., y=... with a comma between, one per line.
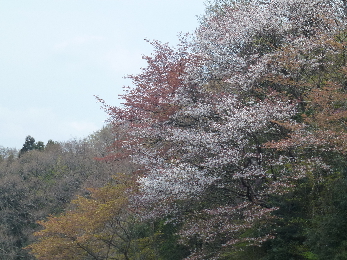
x=201, y=117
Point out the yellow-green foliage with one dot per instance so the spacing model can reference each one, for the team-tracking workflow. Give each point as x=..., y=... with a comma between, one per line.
x=98, y=227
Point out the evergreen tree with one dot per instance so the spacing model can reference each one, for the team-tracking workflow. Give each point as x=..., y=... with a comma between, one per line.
x=30, y=144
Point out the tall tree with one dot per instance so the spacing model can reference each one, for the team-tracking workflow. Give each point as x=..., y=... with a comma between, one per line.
x=199, y=118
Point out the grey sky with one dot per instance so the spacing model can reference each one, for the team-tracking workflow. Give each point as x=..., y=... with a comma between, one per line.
x=56, y=54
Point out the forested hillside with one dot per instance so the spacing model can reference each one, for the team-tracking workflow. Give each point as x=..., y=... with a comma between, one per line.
x=231, y=145
x=40, y=180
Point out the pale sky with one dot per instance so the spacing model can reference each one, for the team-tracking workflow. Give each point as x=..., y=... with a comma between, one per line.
x=56, y=54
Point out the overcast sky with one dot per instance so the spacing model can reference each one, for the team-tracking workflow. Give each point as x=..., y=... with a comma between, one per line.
x=56, y=54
